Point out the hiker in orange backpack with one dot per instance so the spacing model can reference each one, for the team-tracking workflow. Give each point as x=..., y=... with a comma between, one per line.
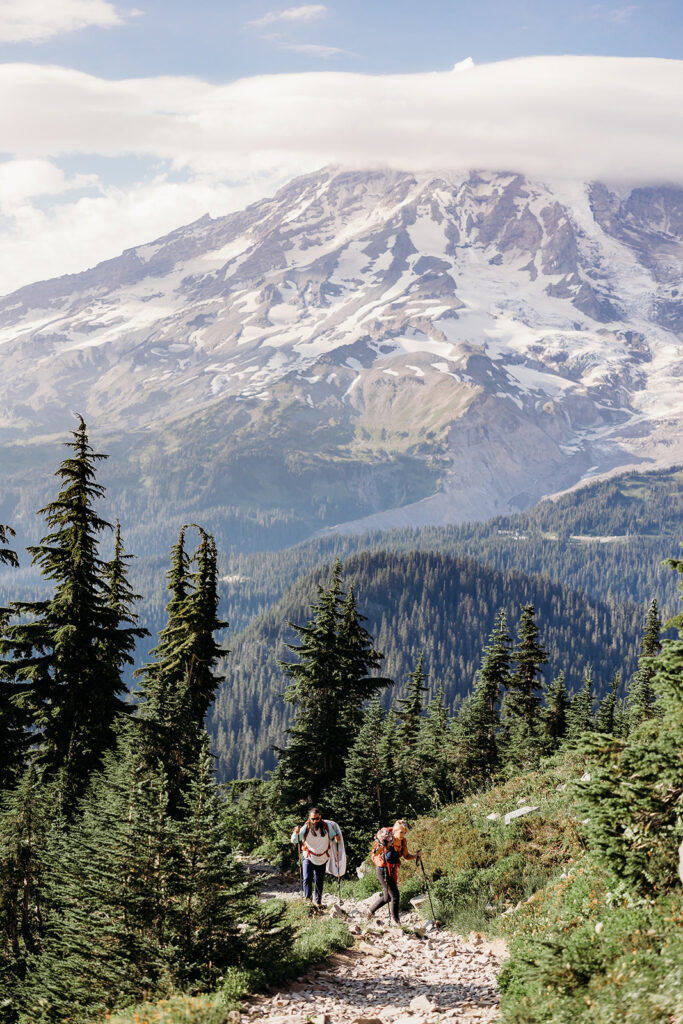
x=387, y=850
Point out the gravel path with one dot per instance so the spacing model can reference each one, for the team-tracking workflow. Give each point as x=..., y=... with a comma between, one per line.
x=418, y=976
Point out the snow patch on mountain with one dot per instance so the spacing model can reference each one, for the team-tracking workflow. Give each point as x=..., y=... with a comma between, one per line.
x=550, y=313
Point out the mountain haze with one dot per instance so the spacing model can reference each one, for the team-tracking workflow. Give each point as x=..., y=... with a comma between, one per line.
x=371, y=348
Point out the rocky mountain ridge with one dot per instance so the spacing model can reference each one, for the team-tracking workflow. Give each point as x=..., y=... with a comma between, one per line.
x=432, y=347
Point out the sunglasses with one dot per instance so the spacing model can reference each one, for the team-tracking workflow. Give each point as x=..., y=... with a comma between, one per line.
x=316, y=819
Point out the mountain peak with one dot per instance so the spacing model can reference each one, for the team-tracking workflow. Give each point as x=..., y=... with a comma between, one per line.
x=513, y=335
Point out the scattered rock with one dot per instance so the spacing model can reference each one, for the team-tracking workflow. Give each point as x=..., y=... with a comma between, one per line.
x=493, y=816
x=370, y=950
x=362, y=870
x=586, y=777
x=421, y=1004
x=522, y=812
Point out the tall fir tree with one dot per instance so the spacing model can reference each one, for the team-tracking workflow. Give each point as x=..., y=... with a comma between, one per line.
x=119, y=603
x=409, y=709
x=178, y=686
x=329, y=684
x=69, y=684
x=580, y=711
x=554, y=714
x=14, y=722
x=520, y=719
x=607, y=717
x=432, y=750
x=361, y=798
x=357, y=659
x=641, y=694
x=477, y=722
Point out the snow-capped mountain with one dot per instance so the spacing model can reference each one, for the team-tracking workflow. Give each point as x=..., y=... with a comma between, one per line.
x=441, y=346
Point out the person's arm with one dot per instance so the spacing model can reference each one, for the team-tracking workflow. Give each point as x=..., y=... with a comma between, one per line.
x=295, y=834
x=410, y=856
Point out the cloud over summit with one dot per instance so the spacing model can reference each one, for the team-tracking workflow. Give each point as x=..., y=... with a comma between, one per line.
x=206, y=147
x=583, y=117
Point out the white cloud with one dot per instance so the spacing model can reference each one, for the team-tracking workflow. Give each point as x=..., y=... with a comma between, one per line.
x=22, y=180
x=313, y=49
x=35, y=21
x=582, y=117
x=614, y=15
x=296, y=14
x=36, y=243
x=614, y=119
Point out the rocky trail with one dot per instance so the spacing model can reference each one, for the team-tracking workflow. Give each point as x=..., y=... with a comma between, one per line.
x=418, y=975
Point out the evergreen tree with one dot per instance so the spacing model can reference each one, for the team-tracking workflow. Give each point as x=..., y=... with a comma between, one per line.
x=119, y=602
x=554, y=714
x=409, y=718
x=14, y=736
x=62, y=657
x=580, y=711
x=178, y=686
x=409, y=709
x=641, y=696
x=465, y=755
x=520, y=717
x=432, y=749
x=357, y=658
x=607, y=716
x=477, y=723
x=215, y=915
x=7, y=556
x=633, y=799
x=109, y=941
x=361, y=799
x=394, y=804
x=329, y=684
x=31, y=833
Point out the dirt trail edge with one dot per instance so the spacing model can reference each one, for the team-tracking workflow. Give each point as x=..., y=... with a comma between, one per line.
x=417, y=976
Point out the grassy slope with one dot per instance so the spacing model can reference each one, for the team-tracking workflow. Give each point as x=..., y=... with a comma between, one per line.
x=580, y=950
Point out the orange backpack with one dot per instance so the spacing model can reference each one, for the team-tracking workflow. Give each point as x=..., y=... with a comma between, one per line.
x=384, y=841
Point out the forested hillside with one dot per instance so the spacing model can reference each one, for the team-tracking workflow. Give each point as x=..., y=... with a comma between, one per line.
x=415, y=602
x=608, y=538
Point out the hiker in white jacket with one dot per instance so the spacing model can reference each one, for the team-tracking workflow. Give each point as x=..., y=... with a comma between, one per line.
x=316, y=838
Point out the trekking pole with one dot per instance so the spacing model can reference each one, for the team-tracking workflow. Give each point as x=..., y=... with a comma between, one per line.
x=301, y=870
x=429, y=895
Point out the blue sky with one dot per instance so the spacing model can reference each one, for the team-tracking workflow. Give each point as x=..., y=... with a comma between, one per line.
x=120, y=121
x=215, y=40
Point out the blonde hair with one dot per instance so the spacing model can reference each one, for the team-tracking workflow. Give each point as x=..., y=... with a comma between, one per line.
x=400, y=826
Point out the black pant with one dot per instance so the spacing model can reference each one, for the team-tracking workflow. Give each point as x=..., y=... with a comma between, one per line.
x=388, y=895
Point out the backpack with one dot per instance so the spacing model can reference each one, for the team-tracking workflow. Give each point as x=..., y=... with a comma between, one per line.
x=383, y=851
